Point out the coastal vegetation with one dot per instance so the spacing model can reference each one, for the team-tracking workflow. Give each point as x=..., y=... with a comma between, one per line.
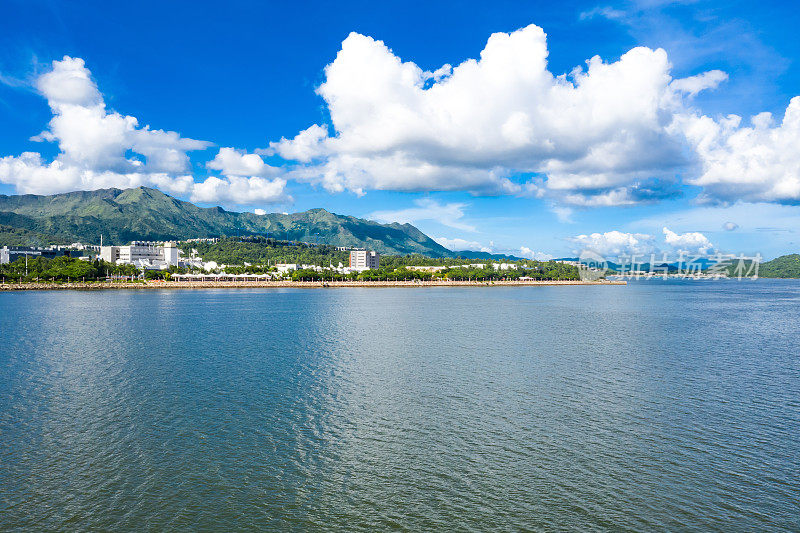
x=549, y=271
x=62, y=269
x=259, y=255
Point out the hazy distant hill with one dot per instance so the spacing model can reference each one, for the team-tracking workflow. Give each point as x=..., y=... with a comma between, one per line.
x=149, y=214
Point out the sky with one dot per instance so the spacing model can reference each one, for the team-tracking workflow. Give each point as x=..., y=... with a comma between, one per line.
x=534, y=128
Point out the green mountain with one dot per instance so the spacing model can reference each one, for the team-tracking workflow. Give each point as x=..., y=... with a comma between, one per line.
x=785, y=266
x=148, y=214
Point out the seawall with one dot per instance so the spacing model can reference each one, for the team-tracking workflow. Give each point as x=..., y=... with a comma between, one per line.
x=281, y=284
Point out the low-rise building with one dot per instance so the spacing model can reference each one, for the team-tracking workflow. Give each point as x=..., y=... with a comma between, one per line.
x=504, y=266
x=417, y=268
x=9, y=254
x=82, y=246
x=284, y=268
x=145, y=255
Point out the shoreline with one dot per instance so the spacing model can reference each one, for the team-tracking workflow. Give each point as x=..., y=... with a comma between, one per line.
x=107, y=285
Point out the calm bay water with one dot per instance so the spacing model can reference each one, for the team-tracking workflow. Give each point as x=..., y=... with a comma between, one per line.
x=656, y=406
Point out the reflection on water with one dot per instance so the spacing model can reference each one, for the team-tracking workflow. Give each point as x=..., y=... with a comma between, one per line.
x=660, y=405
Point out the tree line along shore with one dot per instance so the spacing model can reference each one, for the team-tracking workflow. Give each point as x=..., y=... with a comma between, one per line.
x=72, y=270
x=261, y=256
x=236, y=257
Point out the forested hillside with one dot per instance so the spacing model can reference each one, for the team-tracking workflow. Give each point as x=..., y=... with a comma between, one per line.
x=148, y=214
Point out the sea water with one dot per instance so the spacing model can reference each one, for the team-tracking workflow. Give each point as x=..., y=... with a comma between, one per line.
x=652, y=406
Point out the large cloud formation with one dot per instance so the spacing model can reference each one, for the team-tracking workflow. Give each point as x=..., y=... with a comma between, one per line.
x=756, y=163
x=613, y=244
x=599, y=135
x=99, y=148
x=607, y=134
x=612, y=133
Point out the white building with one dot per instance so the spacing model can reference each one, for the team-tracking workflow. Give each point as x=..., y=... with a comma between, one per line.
x=361, y=259
x=170, y=252
x=284, y=268
x=427, y=268
x=145, y=255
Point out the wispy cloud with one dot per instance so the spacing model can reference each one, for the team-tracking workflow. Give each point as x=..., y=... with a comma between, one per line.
x=463, y=244
x=744, y=217
x=450, y=214
x=11, y=81
x=563, y=213
x=696, y=33
x=607, y=12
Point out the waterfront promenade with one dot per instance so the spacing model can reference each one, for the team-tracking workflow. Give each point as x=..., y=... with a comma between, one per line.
x=282, y=284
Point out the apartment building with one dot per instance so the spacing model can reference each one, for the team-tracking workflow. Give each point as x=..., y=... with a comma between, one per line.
x=361, y=259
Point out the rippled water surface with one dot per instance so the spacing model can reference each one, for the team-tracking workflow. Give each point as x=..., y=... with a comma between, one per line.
x=656, y=406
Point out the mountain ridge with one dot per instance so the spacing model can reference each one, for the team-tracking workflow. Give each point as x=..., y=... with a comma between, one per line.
x=143, y=213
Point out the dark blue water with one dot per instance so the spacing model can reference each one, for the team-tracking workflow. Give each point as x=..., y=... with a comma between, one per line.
x=656, y=406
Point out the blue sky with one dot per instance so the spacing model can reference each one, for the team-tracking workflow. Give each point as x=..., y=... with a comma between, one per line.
x=503, y=154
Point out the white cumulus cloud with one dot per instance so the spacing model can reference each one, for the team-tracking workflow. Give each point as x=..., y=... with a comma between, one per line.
x=232, y=162
x=524, y=251
x=612, y=244
x=701, y=82
x=462, y=244
x=600, y=135
x=689, y=243
x=239, y=191
x=101, y=148
x=755, y=163
x=616, y=243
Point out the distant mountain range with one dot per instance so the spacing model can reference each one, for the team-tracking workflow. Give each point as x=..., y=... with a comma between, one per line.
x=149, y=214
